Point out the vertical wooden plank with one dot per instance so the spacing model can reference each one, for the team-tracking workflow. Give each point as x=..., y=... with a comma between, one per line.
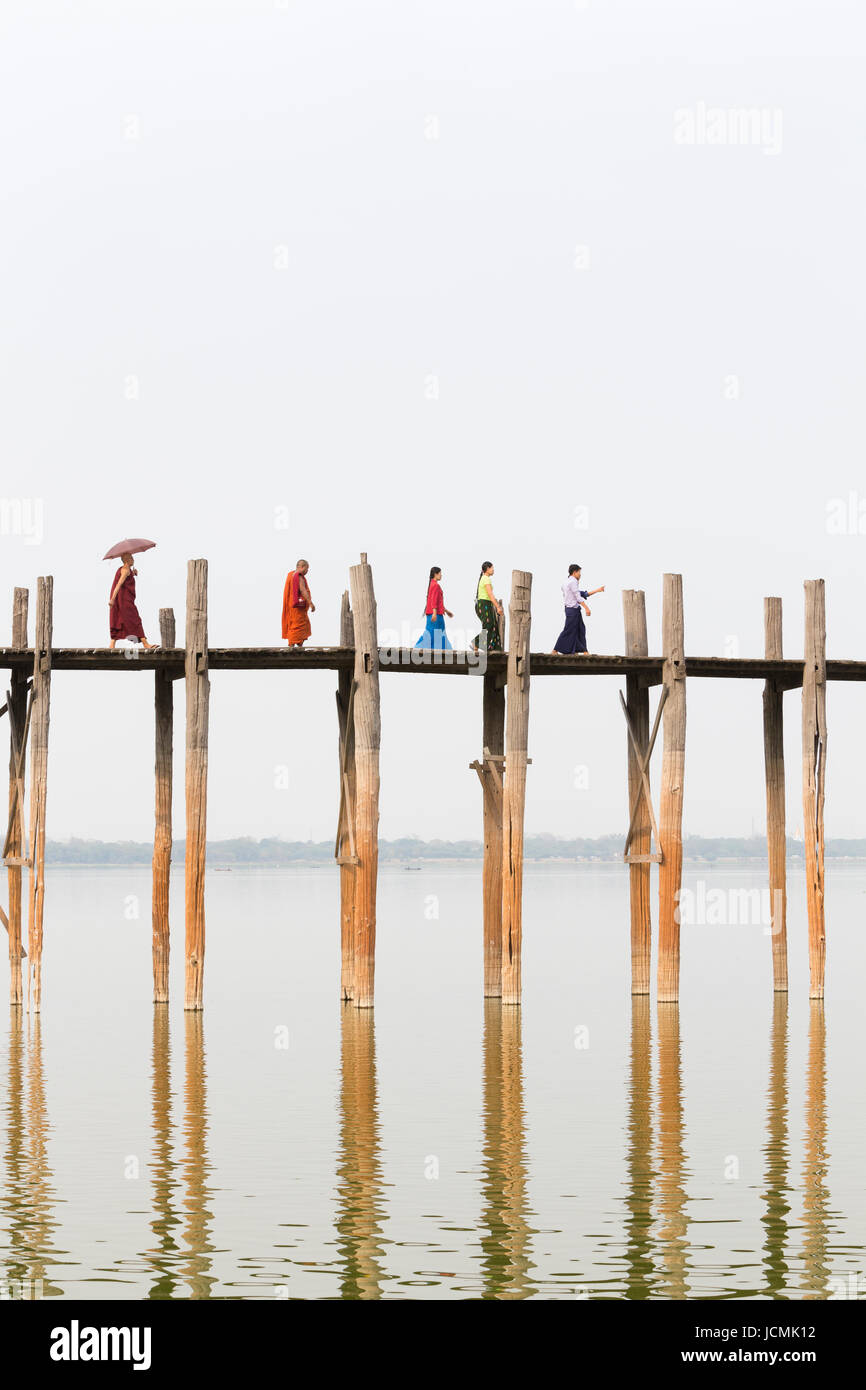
x=347, y=763
x=637, y=704
x=197, y=705
x=39, y=782
x=774, y=774
x=514, y=786
x=164, y=733
x=673, y=771
x=368, y=728
x=493, y=740
x=814, y=763
x=17, y=717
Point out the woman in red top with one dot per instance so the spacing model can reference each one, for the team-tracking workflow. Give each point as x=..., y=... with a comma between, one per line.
x=124, y=619
x=434, y=635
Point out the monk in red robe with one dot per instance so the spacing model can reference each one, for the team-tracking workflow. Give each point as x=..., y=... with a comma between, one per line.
x=297, y=605
x=123, y=615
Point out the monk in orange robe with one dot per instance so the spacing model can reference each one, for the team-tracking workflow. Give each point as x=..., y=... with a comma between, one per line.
x=297, y=605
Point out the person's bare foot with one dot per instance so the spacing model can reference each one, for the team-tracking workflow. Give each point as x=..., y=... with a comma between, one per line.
x=111, y=645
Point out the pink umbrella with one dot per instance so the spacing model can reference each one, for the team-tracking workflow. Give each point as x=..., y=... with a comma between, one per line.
x=128, y=547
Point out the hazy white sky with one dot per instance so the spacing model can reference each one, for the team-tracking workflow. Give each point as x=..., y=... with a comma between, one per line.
x=448, y=281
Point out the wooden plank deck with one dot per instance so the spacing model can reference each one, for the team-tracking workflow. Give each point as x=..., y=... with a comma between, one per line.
x=788, y=672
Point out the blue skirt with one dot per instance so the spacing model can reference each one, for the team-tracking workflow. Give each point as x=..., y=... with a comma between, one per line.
x=434, y=635
x=572, y=639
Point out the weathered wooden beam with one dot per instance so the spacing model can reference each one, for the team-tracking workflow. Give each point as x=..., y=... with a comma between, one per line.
x=163, y=699
x=514, y=788
x=4, y=709
x=368, y=728
x=637, y=710
x=789, y=672
x=493, y=744
x=17, y=703
x=197, y=706
x=39, y=783
x=346, y=832
x=814, y=764
x=673, y=772
x=774, y=775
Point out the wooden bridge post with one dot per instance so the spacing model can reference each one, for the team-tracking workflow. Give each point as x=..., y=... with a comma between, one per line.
x=774, y=773
x=163, y=699
x=814, y=764
x=197, y=703
x=368, y=728
x=673, y=771
x=17, y=722
x=637, y=708
x=493, y=747
x=347, y=828
x=39, y=782
x=514, y=786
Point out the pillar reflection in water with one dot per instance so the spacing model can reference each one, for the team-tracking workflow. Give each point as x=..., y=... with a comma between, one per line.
x=163, y=1256
x=196, y=1258
x=359, y=1166
x=180, y=1257
x=640, y=1275
x=776, y=1189
x=28, y=1190
x=816, y=1273
x=505, y=1213
x=673, y=1222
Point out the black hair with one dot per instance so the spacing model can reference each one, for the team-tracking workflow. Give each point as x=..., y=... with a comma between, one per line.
x=434, y=570
x=573, y=569
x=485, y=566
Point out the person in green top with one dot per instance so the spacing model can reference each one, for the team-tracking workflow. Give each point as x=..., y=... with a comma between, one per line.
x=489, y=610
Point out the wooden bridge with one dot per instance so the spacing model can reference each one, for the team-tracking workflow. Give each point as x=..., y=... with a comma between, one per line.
x=360, y=662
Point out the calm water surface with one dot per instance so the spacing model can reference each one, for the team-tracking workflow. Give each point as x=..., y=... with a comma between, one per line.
x=282, y=1145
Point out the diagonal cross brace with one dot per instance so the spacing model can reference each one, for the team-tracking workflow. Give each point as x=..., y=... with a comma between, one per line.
x=345, y=815
x=643, y=761
x=19, y=753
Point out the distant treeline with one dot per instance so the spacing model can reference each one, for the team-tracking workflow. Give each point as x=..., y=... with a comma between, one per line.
x=248, y=851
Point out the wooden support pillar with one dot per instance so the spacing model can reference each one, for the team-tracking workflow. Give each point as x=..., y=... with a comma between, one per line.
x=774, y=774
x=15, y=848
x=368, y=727
x=514, y=786
x=164, y=729
x=814, y=764
x=39, y=782
x=673, y=771
x=346, y=831
x=493, y=744
x=637, y=709
x=197, y=703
